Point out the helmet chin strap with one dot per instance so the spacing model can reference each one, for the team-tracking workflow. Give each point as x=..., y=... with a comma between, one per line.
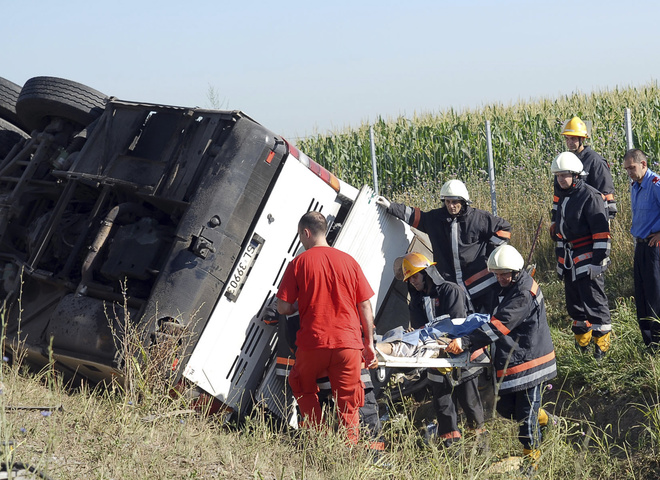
x=576, y=177
x=462, y=210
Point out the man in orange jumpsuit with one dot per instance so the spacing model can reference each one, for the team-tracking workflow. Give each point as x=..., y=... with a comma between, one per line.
x=331, y=293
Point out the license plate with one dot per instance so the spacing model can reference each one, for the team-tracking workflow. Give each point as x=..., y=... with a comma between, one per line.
x=243, y=267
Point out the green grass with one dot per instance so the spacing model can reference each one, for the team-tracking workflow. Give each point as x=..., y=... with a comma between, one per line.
x=610, y=415
x=525, y=135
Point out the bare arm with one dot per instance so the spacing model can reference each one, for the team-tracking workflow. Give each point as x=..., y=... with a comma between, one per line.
x=367, y=321
x=286, y=308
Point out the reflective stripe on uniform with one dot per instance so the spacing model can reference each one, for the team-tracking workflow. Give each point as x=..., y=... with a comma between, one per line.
x=601, y=236
x=429, y=308
x=499, y=326
x=454, y=251
x=476, y=277
x=528, y=365
x=283, y=366
x=514, y=382
x=434, y=376
x=408, y=213
x=601, y=327
x=473, y=288
x=477, y=353
x=582, y=257
x=489, y=331
x=482, y=286
x=579, y=270
x=417, y=216
x=582, y=323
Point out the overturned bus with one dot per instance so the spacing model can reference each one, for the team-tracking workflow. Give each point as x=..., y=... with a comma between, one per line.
x=122, y=218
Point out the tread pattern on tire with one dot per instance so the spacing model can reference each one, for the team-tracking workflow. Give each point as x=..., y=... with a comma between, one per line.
x=9, y=93
x=45, y=97
x=10, y=135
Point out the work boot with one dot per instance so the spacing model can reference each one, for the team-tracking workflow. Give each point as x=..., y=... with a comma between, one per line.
x=453, y=447
x=482, y=443
x=529, y=465
x=547, y=420
x=598, y=353
x=580, y=348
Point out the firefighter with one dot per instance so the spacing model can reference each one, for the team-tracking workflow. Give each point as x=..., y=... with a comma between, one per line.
x=596, y=169
x=461, y=237
x=432, y=297
x=582, y=235
x=524, y=357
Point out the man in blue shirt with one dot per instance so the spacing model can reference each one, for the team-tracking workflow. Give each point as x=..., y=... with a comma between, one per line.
x=645, y=203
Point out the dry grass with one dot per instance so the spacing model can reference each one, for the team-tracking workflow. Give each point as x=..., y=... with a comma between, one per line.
x=134, y=429
x=98, y=434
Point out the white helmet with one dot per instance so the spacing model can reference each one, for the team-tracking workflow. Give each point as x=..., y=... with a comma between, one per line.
x=454, y=189
x=505, y=258
x=566, y=162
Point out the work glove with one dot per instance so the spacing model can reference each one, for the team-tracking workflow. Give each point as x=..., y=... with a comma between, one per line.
x=596, y=270
x=444, y=370
x=270, y=315
x=455, y=346
x=383, y=202
x=611, y=211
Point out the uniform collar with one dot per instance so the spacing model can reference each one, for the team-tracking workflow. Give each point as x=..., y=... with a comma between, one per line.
x=645, y=179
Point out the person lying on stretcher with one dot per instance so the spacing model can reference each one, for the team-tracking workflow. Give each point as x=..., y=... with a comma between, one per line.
x=428, y=340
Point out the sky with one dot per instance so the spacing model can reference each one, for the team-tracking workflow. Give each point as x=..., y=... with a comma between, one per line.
x=309, y=67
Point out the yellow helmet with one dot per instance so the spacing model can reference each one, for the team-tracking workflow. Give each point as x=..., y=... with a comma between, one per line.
x=411, y=263
x=575, y=128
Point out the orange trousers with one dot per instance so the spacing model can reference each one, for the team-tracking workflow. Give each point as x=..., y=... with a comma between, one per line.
x=342, y=366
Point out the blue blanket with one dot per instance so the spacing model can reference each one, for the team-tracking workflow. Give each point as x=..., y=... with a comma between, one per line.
x=442, y=327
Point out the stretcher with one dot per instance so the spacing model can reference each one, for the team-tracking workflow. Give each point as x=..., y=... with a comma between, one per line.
x=427, y=357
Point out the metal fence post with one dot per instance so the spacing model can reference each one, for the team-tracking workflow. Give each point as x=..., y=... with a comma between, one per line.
x=491, y=169
x=628, y=125
x=373, y=158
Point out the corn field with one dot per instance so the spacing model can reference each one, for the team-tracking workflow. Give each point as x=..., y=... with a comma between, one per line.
x=452, y=144
x=416, y=156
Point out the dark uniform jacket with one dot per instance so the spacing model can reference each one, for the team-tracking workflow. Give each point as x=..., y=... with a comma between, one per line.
x=524, y=354
x=581, y=230
x=444, y=299
x=599, y=176
x=460, y=245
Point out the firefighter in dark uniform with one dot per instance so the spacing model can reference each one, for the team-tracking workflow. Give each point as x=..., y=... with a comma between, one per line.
x=461, y=238
x=432, y=297
x=582, y=235
x=596, y=168
x=524, y=357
